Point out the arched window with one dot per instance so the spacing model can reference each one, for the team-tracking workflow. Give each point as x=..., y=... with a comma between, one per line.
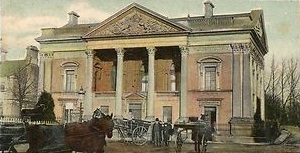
x=209, y=75
x=69, y=74
x=113, y=76
x=97, y=75
x=172, y=78
x=144, y=79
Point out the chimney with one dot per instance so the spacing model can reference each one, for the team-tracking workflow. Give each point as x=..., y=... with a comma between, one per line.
x=32, y=54
x=73, y=18
x=209, y=8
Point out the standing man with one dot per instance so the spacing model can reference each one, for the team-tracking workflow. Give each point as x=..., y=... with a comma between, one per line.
x=167, y=131
x=156, y=132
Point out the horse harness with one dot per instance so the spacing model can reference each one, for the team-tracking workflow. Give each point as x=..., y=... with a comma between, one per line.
x=97, y=130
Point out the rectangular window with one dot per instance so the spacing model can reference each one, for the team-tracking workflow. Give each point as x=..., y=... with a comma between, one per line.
x=210, y=78
x=104, y=109
x=136, y=110
x=167, y=113
x=70, y=80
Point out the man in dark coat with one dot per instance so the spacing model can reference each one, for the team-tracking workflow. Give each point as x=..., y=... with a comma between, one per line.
x=156, y=132
x=167, y=131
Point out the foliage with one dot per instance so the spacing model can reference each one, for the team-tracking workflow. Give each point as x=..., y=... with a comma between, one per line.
x=282, y=93
x=258, y=129
x=294, y=138
x=46, y=102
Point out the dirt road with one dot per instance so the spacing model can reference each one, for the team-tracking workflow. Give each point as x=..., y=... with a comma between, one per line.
x=118, y=147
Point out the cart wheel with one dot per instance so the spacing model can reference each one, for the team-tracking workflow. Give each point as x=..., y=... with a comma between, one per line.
x=12, y=149
x=139, y=135
x=181, y=137
x=203, y=144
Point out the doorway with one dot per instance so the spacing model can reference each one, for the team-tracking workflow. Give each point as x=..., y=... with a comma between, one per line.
x=211, y=115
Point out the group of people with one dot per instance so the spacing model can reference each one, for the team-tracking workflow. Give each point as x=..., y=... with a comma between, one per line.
x=161, y=132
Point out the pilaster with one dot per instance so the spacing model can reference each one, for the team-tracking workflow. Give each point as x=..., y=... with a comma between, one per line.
x=242, y=104
x=47, y=69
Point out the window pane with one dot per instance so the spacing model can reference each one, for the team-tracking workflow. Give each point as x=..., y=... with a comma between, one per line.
x=136, y=110
x=167, y=113
x=210, y=78
x=70, y=80
x=144, y=83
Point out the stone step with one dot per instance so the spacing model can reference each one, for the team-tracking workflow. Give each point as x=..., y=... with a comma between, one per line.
x=239, y=139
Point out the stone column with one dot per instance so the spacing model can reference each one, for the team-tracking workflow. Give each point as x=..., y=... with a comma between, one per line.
x=151, y=83
x=119, y=83
x=183, y=83
x=88, y=102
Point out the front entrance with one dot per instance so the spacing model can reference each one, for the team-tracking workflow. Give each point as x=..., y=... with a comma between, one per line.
x=136, y=110
x=211, y=115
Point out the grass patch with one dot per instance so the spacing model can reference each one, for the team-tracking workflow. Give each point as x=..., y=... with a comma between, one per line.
x=294, y=138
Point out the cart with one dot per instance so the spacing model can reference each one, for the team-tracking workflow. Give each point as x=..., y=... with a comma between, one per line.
x=9, y=132
x=200, y=133
x=135, y=131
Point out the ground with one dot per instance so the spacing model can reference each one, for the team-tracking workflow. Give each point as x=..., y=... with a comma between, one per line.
x=118, y=147
x=291, y=145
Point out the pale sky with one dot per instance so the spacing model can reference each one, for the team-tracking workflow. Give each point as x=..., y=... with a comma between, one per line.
x=22, y=20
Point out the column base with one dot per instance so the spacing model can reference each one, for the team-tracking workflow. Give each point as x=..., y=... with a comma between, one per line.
x=241, y=126
x=182, y=119
x=118, y=117
x=150, y=118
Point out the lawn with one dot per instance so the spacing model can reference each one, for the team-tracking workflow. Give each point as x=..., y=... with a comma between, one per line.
x=294, y=138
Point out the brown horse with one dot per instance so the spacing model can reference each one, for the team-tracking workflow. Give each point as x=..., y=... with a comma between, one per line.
x=81, y=137
x=89, y=136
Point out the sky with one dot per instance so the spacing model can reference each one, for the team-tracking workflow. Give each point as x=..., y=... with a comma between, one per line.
x=22, y=20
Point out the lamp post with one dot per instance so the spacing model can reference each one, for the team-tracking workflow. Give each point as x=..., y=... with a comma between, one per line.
x=81, y=94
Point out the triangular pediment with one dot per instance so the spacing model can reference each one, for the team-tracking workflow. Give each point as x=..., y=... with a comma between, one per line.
x=135, y=20
x=135, y=96
x=259, y=28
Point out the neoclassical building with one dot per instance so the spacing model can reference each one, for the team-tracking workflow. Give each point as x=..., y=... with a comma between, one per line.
x=142, y=63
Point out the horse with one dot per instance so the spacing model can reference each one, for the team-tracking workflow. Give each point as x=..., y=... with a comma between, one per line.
x=200, y=135
x=87, y=137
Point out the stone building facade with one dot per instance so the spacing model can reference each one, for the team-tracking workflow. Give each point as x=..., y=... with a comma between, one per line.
x=142, y=63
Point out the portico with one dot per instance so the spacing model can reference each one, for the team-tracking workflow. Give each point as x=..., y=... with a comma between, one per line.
x=146, y=58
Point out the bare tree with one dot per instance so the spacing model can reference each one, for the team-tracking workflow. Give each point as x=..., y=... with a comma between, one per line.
x=282, y=92
x=24, y=84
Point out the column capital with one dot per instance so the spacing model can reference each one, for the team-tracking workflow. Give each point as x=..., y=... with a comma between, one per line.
x=184, y=50
x=151, y=50
x=243, y=47
x=90, y=53
x=120, y=51
x=46, y=55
